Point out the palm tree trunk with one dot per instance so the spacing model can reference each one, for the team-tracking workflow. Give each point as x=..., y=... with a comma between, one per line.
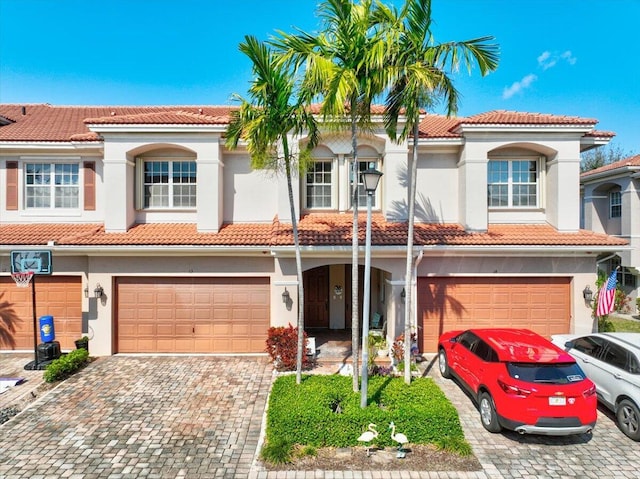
x=354, y=253
x=296, y=243
x=408, y=278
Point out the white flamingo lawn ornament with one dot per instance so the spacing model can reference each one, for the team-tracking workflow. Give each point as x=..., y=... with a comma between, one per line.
x=369, y=436
x=400, y=438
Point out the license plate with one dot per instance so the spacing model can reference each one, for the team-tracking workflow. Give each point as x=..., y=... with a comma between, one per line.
x=557, y=401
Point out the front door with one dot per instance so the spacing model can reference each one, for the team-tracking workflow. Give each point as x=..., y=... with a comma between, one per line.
x=316, y=298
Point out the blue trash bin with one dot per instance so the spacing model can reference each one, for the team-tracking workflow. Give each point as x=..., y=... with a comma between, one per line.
x=47, y=332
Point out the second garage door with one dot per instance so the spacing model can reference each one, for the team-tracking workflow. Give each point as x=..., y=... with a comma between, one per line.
x=192, y=315
x=540, y=304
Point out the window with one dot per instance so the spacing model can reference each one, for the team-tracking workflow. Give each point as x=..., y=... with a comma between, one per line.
x=615, y=356
x=363, y=165
x=615, y=204
x=52, y=185
x=513, y=183
x=589, y=345
x=169, y=184
x=319, y=190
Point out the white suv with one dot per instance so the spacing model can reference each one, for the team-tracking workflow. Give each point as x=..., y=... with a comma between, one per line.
x=612, y=362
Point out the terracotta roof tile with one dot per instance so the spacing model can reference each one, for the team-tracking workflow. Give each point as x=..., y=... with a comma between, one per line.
x=177, y=117
x=522, y=118
x=617, y=165
x=314, y=229
x=438, y=126
x=43, y=122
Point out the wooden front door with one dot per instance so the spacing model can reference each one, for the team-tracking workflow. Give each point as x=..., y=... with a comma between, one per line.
x=316, y=298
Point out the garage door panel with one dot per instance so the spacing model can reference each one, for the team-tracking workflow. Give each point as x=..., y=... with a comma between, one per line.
x=57, y=296
x=444, y=304
x=201, y=315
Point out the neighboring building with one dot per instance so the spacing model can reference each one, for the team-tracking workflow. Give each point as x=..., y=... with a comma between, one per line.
x=611, y=204
x=193, y=250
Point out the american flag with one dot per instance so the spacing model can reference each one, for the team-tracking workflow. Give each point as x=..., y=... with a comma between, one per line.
x=606, y=295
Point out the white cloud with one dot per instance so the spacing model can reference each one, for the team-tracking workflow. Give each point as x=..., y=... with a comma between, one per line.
x=518, y=86
x=548, y=60
x=569, y=57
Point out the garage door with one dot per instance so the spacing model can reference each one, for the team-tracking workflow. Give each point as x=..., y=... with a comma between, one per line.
x=57, y=296
x=540, y=304
x=192, y=315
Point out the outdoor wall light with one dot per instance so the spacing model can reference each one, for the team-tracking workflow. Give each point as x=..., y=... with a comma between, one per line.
x=86, y=291
x=99, y=291
x=285, y=296
x=587, y=294
x=403, y=294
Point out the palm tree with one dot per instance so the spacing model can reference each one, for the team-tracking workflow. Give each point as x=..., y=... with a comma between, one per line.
x=345, y=68
x=420, y=81
x=265, y=122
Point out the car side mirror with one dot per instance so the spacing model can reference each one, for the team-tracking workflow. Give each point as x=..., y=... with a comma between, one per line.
x=569, y=344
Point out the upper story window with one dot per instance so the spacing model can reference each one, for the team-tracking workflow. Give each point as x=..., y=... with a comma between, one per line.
x=329, y=181
x=168, y=184
x=615, y=204
x=513, y=183
x=363, y=165
x=319, y=185
x=52, y=185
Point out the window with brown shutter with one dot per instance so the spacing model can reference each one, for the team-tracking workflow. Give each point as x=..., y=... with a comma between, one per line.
x=12, y=185
x=89, y=185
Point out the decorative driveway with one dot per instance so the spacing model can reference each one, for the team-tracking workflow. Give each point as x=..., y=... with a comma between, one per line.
x=200, y=417
x=129, y=417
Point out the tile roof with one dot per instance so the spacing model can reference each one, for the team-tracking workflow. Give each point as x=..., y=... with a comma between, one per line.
x=44, y=122
x=521, y=118
x=314, y=229
x=617, y=165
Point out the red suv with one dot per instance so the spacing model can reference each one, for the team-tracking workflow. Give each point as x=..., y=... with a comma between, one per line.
x=520, y=381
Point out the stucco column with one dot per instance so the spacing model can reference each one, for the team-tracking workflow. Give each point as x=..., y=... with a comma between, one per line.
x=563, y=173
x=118, y=171
x=473, y=200
x=210, y=186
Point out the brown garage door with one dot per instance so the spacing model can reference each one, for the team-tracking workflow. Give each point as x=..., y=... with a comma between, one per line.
x=192, y=315
x=540, y=304
x=57, y=296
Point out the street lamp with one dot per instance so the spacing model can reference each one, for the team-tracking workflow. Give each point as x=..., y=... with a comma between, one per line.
x=370, y=178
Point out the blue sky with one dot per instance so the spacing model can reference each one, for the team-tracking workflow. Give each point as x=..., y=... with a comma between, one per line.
x=572, y=57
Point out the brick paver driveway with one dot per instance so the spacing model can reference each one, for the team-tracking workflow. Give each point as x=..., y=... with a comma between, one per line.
x=200, y=417
x=128, y=417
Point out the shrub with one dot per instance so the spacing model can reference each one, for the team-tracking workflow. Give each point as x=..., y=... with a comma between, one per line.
x=282, y=346
x=66, y=365
x=277, y=451
x=306, y=414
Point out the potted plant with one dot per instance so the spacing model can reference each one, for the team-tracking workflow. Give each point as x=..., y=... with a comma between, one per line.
x=82, y=343
x=378, y=343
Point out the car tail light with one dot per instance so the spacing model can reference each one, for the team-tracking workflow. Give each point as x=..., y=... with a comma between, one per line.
x=589, y=392
x=513, y=389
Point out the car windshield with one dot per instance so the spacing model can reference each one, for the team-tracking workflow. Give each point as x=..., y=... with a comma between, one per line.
x=557, y=373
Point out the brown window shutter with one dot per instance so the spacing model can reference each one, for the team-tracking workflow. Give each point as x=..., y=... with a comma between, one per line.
x=12, y=185
x=89, y=185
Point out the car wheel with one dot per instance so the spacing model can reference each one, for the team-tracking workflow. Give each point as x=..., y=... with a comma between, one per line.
x=629, y=419
x=443, y=365
x=488, y=414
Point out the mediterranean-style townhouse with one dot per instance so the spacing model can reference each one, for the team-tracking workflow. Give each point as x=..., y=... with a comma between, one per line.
x=164, y=241
x=611, y=204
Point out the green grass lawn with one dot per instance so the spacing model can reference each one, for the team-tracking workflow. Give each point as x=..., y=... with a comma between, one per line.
x=624, y=325
x=324, y=411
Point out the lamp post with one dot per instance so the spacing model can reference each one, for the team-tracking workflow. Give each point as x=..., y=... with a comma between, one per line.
x=370, y=178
